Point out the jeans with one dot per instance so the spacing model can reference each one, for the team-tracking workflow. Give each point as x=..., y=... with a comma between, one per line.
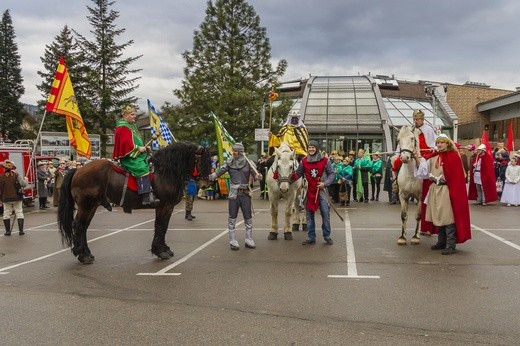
x=325, y=216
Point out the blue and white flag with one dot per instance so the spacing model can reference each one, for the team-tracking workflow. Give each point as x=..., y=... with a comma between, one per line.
x=157, y=125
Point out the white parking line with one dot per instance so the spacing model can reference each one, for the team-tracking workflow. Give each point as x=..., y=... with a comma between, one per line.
x=507, y=242
x=165, y=270
x=352, y=272
x=3, y=270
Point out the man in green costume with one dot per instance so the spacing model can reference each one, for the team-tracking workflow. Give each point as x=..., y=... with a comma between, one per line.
x=129, y=149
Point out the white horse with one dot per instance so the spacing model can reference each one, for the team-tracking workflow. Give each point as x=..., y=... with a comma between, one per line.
x=409, y=185
x=280, y=184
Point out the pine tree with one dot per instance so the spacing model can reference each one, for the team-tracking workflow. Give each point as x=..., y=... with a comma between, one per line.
x=108, y=76
x=228, y=72
x=11, y=81
x=63, y=45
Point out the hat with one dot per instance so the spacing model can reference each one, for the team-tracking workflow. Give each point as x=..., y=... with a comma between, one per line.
x=352, y=152
x=238, y=147
x=334, y=152
x=313, y=143
x=418, y=114
x=128, y=109
x=481, y=147
x=443, y=137
x=8, y=164
x=263, y=154
x=41, y=163
x=376, y=153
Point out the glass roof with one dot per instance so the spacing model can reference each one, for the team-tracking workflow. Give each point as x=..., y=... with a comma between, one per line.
x=400, y=112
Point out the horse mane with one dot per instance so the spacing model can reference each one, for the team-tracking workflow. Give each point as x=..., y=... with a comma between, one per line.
x=176, y=161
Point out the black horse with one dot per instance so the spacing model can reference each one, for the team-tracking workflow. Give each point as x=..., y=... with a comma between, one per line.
x=98, y=184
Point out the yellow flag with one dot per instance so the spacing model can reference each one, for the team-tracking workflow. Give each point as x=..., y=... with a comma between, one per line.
x=62, y=101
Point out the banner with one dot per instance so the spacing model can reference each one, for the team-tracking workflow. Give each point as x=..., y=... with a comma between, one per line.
x=224, y=140
x=63, y=102
x=510, y=138
x=157, y=125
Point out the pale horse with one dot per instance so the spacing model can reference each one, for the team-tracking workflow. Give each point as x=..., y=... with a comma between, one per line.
x=281, y=183
x=409, y=185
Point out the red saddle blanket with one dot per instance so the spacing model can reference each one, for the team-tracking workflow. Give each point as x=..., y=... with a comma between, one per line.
x=132, y=182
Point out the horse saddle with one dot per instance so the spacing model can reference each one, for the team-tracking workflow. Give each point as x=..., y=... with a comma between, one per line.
x=130, y=183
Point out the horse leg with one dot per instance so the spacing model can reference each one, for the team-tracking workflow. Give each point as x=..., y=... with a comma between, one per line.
x=273, y=200
x=80, y=244
x=404, y=218
x=287, y=233
x=162, y=219
x=415, y=239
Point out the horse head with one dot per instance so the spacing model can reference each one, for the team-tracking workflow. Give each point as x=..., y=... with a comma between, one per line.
x=284, y=166
x=407, y=142
x=202, y=166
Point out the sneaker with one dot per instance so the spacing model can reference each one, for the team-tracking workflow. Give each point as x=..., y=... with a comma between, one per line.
x=328, y=240
x=250, y=243
x=484, y=204
x=309, y=242
x=234, y=245
x=508, y=204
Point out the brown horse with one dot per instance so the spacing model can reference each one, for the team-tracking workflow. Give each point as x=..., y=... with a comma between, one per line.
x=98, y=184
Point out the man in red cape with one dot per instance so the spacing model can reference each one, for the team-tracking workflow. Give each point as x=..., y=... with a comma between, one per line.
x=448, y=159
x=483, y=163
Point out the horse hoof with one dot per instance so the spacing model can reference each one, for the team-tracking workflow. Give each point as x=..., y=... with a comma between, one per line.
x=401, y=241
x=288, y=236
x=272, y=236
x=427, y=234
x=415, y=241
x=86, y=259
x=163, y=255
x=170, y=252
x=295, y=227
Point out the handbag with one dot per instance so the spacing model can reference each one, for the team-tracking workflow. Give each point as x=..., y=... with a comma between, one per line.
x=500, y=185
x=18, y=188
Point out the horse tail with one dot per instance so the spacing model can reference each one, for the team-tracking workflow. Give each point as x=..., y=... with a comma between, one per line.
x=66, y=209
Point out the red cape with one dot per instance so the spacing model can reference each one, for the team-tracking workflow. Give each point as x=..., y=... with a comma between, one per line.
x=456, y=181
x=123, y=142
x=487, y=173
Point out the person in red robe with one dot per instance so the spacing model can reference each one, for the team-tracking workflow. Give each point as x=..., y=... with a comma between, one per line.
x=446, y=202
x=482, y=180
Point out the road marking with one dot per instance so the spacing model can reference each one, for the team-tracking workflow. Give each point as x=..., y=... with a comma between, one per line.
x=3, y=270
x=191, y=254
x=352, y=272
x=507, y=242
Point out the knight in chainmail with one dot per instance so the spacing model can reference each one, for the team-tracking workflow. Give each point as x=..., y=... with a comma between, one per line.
x=239, y=169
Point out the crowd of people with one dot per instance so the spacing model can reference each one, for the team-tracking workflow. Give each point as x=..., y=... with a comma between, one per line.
x=485, y=176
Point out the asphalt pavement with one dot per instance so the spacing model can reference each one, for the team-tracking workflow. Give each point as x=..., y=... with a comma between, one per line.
x=364, y=290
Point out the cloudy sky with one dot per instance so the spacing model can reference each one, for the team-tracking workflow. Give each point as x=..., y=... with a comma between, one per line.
x=447, y=41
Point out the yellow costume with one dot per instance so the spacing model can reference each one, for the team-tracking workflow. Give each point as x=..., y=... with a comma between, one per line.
x=294, y=133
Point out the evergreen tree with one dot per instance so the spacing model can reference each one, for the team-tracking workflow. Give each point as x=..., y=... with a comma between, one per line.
x=228, y=72
x=11, y=81
x=108, y=76
x=63, y=45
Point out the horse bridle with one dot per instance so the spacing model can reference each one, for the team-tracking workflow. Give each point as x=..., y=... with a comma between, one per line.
x=414, y=144
x=284, y=179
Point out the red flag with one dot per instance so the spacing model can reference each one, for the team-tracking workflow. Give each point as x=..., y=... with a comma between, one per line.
x=510, y=138
x=485, y=140
x=63, y=102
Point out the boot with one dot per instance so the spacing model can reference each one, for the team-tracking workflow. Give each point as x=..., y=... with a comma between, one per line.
x=451, y=240
x=20, y=227
x=249, y=234
x=188, y=215
x=233, y=243
x=441, y=240
x=7, y=224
